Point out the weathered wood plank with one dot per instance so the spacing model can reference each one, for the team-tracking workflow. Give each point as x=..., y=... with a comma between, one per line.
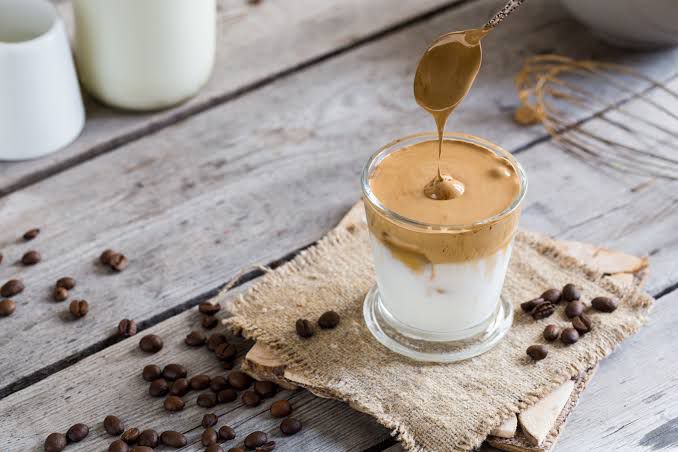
x=255, y=43
x=193, y=205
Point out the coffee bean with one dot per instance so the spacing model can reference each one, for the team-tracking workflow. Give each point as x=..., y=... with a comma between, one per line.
x=209, y=308
x=551, y=295
x=113, y=425
x=78, y=308
x=537, y=352
x=7, y=307
x=255, y=439
x=174, y=371
x=290, y=426
x=180, y=387
x=173, y=439
x=131, y=435
x=582, y=323
x=218, y=383
x=173, y=403
x=226, y=433
x=127, y=328
x=570, y=293
x=31, y=258
x=227, y=395
x=214, y=448
x=265, y=389
x=569, y=336
x=209, y=436
x=551, y=332
x=266, y=447
x=142, y=449
x=281, y=408
x=149, y=438
x=543, y=310
x=328, y=320
x=150, y=343
x=31, y=234
x=158, y=387
x=574, y=308
x=225, y=352
x=250, y=398
x=209, y=420
x=105, y=257
x=602, y=304
x=528, y=306
x=77, y=433
x=207, y=400
x=239, y=380
x=11, y=288
x=55, y=442
x=304, y=328
x=66, y=282
x=228, y=365
x=215, y=340
x=195, y=339
x=118, y=446
x=151, y=372
x=118, y=262
x=200, y=382
x=236, y=449
x=60, y=294
x=208, y=322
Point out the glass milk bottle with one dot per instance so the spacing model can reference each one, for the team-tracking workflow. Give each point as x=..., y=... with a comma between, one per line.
x=144, y=54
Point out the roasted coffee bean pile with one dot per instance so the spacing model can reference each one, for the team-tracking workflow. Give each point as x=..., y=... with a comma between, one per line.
x=575, y=310
x=327, y=321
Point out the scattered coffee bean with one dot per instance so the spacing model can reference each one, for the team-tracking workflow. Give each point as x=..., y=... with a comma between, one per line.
x=31, y=258
x=215, y=340
x=528, y=306
x=209, y=308
x=173, y=403
x=304, y=328
x=281, y=408
x=290, y=426
x=329, y=320
x=207, y=400
x=77, y=433
x=537, y=352
x=250, y=398
x=151, y=372
x=55, y=442
x=173, y=439
x=602, y=304
x=118, y=262
x=256, y=439
x=582, y=323
x=266, y=447
x=105, y=257
x=60, y=294
x=195, y=339
x=131, y=435
x=209, y=420
x=78, y=308
x=227, y=395
x=239, y=380
x=118, y=446
x=31, y=234
x=569, y=336
x=11, y=288
x=150, y=343
x=149, y=438
x=209, y=436
x=180, y=387
x=158, y=388
x=127, y=328
x=7, y=307
x=174, y=371
x=113, y=425
x=570, y=293
x=551, y=332
x=265, y=389
x=200, y=382
x=543, y=310
x=574, y=308
x=142, y=449
x=214, y=448
x=225, y=352
x=218, y=383
x=228, y=365
x=226, y=433
x=551, y=295
x=208, y=322
x=66, y=282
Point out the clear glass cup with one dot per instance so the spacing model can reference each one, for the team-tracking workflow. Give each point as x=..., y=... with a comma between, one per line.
x=447, y=311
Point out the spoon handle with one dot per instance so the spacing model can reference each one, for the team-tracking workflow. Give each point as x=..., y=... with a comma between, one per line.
x=503, y=13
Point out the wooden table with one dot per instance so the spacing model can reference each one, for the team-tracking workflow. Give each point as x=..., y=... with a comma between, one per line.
x=260, y=165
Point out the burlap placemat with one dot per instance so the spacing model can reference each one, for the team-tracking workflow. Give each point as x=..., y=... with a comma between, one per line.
x=437, y=407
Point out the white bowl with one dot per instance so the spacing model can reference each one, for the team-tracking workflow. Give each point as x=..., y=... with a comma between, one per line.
x=629, y=23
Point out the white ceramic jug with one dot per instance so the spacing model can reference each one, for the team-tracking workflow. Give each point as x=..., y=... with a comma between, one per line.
x=144, y=54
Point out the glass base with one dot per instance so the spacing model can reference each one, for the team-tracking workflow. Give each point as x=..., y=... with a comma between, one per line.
x=423, y=347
